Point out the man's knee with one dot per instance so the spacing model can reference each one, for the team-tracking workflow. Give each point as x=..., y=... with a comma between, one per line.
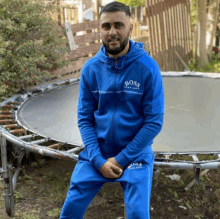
x=137, y=211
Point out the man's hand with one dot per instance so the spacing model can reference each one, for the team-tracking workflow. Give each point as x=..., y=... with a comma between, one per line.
x=110, y=170
x=112, y=160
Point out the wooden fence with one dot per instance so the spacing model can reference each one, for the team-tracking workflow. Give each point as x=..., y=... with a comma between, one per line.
x=140, y=27
x=169, y=33
x=84, y=42
x=169, y=39
x=166, y=25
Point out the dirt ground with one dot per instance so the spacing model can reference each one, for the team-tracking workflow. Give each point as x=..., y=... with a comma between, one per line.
x=42, y=186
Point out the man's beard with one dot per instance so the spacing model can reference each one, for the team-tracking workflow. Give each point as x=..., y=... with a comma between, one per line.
x=116, y=51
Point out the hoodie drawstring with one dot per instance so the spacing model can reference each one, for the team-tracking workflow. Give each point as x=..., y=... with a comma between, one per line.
x=122, y=64
x=108, y=63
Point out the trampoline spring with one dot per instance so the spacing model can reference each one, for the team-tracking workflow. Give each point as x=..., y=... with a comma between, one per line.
x=17, y=131
x=16, y=103
x=7, y=106
x=68, y=145
x=6, y=121
x=10, y=126
x=5, y=116
x=54, y=146
x=5, y=112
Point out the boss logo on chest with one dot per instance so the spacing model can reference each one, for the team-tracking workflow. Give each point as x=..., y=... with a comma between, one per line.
x=132, y=84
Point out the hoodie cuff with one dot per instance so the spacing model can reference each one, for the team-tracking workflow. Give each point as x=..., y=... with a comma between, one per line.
x=122, y=160
x=98, y=161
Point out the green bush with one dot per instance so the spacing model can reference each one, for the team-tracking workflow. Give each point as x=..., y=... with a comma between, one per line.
x=31, y=45
x=213, y=66
x=133, y=3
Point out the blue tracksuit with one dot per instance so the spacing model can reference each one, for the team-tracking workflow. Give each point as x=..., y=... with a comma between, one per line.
x=120, y=111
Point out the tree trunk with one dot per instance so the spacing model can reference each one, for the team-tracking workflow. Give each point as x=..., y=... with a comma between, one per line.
x=58, y=13
x=212, y=19
x=202, y=55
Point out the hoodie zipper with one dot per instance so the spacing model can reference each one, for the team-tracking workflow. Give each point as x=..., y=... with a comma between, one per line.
x=113, y=118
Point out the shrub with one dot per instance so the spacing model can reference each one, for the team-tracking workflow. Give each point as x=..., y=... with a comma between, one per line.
x=133, y=3
x=31, y=43
x=213, y=66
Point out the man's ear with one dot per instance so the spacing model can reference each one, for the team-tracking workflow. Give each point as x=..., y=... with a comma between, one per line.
x=131, y=28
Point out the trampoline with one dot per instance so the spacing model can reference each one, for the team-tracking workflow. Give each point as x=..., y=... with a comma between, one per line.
x=191, y=123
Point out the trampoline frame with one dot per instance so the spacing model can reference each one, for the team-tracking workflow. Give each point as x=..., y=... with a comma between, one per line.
x=24, y=143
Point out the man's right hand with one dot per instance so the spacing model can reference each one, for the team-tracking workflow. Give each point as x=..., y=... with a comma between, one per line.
x=110, y=170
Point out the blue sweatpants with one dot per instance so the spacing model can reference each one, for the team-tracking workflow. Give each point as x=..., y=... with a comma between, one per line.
x=86, y=181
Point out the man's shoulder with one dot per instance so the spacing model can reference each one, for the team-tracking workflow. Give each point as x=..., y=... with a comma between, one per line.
x=150, y=68
x=89, y=62
x=148, y=61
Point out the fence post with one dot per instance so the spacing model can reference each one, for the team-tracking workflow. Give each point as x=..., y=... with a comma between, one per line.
x=69, y=34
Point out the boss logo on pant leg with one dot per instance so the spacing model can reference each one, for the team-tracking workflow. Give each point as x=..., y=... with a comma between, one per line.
x=135, y=166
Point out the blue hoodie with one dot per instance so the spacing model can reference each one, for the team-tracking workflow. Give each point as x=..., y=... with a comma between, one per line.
x=120, y=107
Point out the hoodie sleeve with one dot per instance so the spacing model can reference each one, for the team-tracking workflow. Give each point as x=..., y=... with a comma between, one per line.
x=87, y=105
x=153, y=113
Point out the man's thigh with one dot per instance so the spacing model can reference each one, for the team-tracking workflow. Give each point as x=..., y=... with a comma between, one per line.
x=85, y=183
x=137, y=183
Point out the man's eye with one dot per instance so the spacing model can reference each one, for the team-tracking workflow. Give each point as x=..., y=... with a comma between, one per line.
x=119, y=25
x=106, y=26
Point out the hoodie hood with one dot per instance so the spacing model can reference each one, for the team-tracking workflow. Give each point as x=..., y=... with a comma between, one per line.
x=135, y=51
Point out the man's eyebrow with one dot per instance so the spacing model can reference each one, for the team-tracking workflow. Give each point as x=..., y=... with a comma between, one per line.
x=117, y=22
x=105, y=23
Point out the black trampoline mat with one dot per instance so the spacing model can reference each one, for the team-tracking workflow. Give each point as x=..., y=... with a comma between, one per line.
x=53, y=113
x=191, y=121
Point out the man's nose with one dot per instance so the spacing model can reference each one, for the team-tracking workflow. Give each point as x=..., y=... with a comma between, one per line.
x=112, y=31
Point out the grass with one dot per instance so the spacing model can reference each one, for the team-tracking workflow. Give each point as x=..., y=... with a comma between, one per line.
x=200, y=201
x=59, y=185
x=42, y=188
x=54, y=212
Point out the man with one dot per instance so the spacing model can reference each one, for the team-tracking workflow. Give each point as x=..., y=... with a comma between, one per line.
x=120, y=111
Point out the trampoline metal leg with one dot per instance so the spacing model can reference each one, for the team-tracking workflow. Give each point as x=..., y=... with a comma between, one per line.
x=125, y=215
x=17, y=170
x=7, y=177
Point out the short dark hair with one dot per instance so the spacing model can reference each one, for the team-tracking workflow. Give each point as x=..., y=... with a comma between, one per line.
x=115, y=7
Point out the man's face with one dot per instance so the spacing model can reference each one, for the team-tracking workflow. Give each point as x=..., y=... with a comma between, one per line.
x=115, y=29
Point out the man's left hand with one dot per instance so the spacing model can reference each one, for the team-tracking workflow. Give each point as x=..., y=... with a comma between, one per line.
x=112, y=160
